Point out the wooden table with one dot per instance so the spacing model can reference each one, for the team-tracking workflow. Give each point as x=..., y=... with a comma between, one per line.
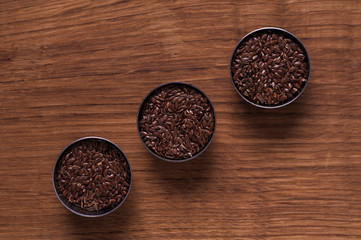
x=70, y=69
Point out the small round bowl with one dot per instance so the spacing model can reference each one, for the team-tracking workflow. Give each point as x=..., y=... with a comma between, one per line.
x=286, y=34
x=75, y=209
x=147, y=98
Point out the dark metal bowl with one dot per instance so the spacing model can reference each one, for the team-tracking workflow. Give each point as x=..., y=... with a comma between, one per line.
x=286, y=34
x=139, y=117
x=77, y=210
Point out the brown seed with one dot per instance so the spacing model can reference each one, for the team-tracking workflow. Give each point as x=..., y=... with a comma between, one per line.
x=282, y=98
x=189, y=124
x=260, y=98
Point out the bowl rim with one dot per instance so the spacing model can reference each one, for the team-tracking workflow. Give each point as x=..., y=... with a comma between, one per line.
x=293, y=37
x=59, y=158
x=150, y=94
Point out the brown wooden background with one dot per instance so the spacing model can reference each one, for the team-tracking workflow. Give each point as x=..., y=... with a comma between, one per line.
x=70, y=69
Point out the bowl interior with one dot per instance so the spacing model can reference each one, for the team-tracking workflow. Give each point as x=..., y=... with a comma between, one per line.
x=140, y=116
x=287, y=35
x=72, y=207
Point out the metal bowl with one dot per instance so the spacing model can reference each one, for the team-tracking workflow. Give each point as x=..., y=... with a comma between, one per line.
x=139, y=117
x=286, y=34
x=75, y=209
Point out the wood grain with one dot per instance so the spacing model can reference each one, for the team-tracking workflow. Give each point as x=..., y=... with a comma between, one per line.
x=70, y=69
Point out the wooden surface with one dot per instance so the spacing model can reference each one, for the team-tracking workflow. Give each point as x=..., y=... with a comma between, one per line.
x=70, y=69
